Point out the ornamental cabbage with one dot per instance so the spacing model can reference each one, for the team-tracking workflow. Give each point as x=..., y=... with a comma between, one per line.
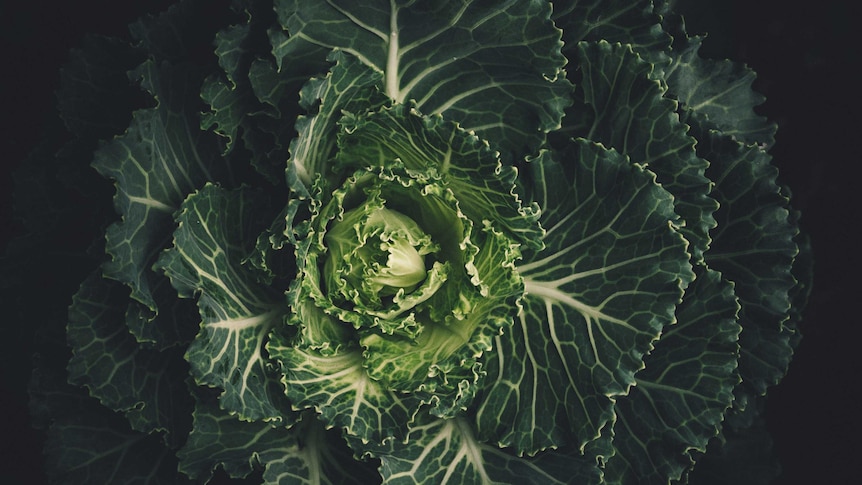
x=393, y=241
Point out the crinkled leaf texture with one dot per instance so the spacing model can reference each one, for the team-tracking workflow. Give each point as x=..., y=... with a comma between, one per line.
x=401, y=241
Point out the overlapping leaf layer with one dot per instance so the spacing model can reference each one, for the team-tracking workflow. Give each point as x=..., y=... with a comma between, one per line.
x=439, y=241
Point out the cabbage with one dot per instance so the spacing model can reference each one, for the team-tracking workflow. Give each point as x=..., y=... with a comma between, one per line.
x=424, y=242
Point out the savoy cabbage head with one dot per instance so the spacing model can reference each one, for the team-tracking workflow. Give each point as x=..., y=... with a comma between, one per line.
x=396, y=241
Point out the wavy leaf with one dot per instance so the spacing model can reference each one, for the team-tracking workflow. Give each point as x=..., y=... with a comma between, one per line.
x=622, y=107
x=447, y=451
x=215, y=233
x=679, y=400
x=303, y=454
x=162, y=157
x=145, y=385
x=497, y=71
x=754, y=247
x=598, y=295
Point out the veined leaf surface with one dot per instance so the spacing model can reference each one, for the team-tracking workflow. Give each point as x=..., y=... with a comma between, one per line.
x=606, y=284
x=238, y=312
x=497, y=71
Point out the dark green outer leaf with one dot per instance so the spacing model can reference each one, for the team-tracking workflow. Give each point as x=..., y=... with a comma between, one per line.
x=98, y=449
x=216, y=230
x=623, y=108
x=496, y=70
x=717, y=90
x=632, y=22
x=447, y=451
x=86, y=443
x=146, y=385
x=303, y=454
x=754, y=248
x=161, y=158
x=680, y=398
x=253, y=103
x=597, y=296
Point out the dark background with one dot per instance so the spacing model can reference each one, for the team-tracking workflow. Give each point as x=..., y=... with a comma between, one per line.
x=807, y=60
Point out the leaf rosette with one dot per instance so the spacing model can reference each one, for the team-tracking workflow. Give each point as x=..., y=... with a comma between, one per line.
x=397, y=277
x=423, y=242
